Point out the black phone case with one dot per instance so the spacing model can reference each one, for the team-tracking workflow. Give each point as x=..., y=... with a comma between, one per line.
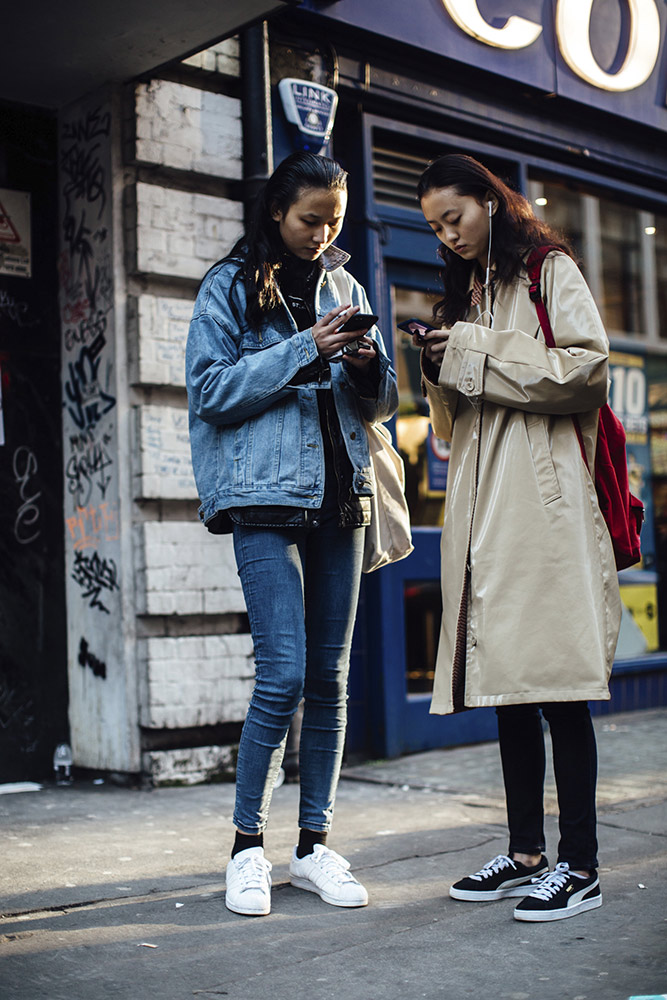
x=360, y=321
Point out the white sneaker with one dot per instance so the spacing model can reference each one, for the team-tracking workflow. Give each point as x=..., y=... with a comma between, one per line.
x=327, y=874
x=248, y=888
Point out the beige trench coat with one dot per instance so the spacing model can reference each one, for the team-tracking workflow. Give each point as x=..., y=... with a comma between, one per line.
x=541, y=616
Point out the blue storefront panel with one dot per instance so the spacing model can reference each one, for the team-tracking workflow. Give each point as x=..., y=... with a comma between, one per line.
x=574, y=135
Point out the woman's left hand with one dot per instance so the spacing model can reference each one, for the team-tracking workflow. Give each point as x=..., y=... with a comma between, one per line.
x=364, y=355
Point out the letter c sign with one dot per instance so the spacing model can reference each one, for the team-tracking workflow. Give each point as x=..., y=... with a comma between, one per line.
x=573, y=18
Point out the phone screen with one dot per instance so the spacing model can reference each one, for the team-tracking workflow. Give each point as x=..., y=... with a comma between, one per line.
x=415, y=326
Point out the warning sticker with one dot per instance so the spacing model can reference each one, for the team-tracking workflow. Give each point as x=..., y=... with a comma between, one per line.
x=15, y=233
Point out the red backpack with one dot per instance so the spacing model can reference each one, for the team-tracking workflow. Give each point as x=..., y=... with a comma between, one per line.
x=623, y=512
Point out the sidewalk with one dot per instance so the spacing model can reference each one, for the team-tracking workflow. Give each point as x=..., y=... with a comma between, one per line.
x=110, y=892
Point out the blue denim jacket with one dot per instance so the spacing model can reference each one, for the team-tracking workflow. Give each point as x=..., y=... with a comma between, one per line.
x=254, y=438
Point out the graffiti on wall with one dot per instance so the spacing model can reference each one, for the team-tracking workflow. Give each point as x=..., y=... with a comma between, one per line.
x=88, y=659
x=88, y=373
x=26, y=524
x=94, y=574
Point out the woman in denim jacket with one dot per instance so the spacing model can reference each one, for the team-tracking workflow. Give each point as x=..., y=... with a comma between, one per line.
x=280, y=453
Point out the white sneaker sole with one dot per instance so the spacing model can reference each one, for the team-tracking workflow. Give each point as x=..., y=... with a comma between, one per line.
x=245, y=912
x=305, y=883
x=486, y=895
x=544, y=915
x=471, y=895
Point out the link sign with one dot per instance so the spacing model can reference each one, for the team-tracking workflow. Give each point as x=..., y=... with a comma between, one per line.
x=573, y=19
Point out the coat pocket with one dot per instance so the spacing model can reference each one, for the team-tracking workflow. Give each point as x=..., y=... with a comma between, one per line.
x=545, y=471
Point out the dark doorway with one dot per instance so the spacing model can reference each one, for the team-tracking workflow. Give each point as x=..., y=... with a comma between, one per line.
x=33, y=667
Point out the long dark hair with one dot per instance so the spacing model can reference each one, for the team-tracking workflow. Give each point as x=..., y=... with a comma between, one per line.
x=260, y=250
x=516, y=230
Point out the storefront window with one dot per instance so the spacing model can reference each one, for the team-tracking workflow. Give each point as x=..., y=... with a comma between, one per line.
x=425, y=457
x=561, y=208
x=657, y=402
x=660, y=242
x=621, y=250
x=423, y=614
x=620, y=253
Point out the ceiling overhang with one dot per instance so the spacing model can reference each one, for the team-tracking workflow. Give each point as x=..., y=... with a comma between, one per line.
x=54, y=53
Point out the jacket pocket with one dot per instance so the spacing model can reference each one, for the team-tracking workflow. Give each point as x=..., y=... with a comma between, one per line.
x=545, y=471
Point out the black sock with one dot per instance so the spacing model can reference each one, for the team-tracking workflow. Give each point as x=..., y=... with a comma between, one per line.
x=243, y=841
x=307, y=841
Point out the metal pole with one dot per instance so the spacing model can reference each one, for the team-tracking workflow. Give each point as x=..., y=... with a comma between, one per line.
x=256, y=110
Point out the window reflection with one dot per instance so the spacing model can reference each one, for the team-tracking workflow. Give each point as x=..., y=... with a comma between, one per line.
x=424, y=456
x=660, y=242
x=616, y=245
x=621, y=268
x=562, y=209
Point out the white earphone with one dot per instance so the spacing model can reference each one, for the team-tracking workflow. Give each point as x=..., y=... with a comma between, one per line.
x=487, y=281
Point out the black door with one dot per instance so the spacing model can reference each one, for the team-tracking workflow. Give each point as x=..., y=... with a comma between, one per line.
x=33, y=670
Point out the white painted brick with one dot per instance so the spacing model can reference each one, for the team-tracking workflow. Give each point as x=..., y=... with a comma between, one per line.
x=186, y=570
x=223, y=57
x=190, y=766
x=183, y=214
x=194, y=683
x=162, y=454
x=153, y=238
x=189, y=129
x=180, y=245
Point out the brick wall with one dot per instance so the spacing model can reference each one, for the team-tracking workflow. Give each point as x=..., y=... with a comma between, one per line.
x=189, y=129
x=180, y=234
x=182, y=214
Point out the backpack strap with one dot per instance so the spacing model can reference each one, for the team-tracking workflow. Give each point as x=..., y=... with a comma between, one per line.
x=534, y=268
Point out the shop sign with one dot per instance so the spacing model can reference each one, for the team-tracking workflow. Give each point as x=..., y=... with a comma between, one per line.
x=15, y=233
x=309, y=106
x=573, y=20
x=628, y=398
x=606, y=56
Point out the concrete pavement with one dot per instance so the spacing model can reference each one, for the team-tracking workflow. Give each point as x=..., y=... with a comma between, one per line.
x=107, y=891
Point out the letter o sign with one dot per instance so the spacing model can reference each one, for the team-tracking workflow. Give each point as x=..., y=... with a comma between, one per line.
x=573, y=18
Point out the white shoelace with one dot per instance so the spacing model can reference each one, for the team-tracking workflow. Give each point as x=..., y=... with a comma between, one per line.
x=549, y=884
x=254, y=871
x=497, y=865
x=332, y=864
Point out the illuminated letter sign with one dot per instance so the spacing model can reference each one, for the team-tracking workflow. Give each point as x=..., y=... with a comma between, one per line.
x=517, y=32
x=573, y=27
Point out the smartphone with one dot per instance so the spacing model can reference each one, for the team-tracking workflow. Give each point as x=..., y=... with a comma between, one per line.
x=360, y=321
x=416, y=327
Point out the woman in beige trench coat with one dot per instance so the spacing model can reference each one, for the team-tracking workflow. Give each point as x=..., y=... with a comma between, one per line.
x=531, y=607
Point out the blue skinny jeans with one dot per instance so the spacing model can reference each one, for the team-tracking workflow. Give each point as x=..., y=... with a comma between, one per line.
x=301, y=587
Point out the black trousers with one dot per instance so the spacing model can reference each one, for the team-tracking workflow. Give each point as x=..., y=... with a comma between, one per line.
x=575, y=767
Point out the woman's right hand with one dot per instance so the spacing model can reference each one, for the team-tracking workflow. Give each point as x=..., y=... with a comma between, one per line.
x=326, y=333
x=434, y=343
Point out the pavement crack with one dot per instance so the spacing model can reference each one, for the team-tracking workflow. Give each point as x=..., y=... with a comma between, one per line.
x=431, y=854
x=151, y=894
x=631, y=829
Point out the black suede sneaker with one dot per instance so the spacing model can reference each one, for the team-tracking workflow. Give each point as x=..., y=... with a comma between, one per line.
x=560, y=894
x=500, y=878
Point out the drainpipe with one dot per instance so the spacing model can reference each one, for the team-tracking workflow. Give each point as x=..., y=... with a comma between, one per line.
x=256, y=110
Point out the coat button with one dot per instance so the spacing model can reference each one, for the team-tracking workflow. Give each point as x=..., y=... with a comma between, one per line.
x=469, y=384
x=353, y=435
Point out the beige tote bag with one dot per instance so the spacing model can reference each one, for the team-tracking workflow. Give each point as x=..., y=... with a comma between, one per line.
x=388, y=536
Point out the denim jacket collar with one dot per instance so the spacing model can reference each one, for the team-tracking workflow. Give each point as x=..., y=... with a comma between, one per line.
x=334, y=257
